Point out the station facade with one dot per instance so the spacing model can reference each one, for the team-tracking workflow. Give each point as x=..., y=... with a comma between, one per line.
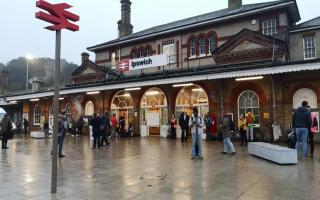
x=253, y=57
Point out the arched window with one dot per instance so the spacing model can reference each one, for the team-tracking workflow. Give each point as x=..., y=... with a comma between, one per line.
x=212, y=43
x=248, y=101
x=133, y=54
x=192, y=96
x=141, y=53
x=148, y=51
x=89, y=109
x=68, y=111
x=192, y=47
x=36, y=115
x=305, y=94
x=202, y=46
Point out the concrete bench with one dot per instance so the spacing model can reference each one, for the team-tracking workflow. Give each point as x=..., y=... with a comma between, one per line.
x=275, y=153
x=37, y=134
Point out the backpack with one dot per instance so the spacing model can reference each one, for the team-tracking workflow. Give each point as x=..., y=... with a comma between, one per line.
x=232, y=126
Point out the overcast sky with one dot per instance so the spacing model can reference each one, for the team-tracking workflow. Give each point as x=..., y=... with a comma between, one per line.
x=21, y=33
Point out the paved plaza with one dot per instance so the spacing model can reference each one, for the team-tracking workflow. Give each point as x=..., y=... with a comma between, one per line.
x=115, y=172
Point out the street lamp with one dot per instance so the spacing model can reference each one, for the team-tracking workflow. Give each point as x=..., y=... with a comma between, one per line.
x=28, y=57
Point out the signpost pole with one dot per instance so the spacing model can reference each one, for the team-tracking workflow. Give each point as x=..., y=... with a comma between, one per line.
x=56, y=112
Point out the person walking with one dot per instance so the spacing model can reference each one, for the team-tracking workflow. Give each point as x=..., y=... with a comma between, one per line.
x=196, y=123
x=226, y=133
x=122, y=124
x=80, y=123
x=173, y=124
x=25, y=125
x=313, y=129
x=114, y=124
x=249, y=122
x=301, y=122
x=104, y=128
x=242, y=124
x=6, y=128
x=96, y=123
x=184, y=125
x=62, y=129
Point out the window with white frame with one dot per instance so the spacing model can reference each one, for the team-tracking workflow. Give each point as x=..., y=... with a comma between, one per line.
x=36, y=115
x=309, y=47
x=249, y=102
x=141, y=53
x=169, y=50
x=133, y=54
x=192, y=47
x=212, y=43
x=113, y=60
x=148, y=51
x=202, y=46
x=269, y=27
x=89, y=109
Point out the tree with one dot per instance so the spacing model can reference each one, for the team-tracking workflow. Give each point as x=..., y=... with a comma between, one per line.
x=40, y=69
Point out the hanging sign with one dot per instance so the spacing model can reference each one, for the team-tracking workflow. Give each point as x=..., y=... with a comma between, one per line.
x=143, y=63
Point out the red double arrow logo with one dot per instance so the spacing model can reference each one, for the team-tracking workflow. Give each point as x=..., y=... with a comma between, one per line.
x=57, y=15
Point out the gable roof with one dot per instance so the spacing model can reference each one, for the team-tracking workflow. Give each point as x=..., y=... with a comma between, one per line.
x=267, y=40
x=209, y=18
x=90, y=63
x=308, y=25
x=249, y=46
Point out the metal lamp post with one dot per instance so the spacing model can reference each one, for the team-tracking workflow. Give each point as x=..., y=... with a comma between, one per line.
x=28, y=58
x=58, y=16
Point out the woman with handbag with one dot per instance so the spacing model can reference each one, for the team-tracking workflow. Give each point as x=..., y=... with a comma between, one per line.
x=6, y=128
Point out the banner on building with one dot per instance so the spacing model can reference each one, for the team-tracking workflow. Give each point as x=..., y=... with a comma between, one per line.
x=143, y=63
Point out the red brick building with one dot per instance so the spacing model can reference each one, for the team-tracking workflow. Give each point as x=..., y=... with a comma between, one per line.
x=243, y=58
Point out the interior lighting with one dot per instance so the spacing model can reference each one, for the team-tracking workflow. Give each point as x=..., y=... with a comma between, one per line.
x=91, y=93
x=132, y=89
x=13, y=102
x=34, y=99
x=249, y=78
x=61, y=98
x=197, y=89
x=150, y=93
x=182, y=85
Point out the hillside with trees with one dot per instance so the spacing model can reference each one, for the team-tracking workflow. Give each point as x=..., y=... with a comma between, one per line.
x=39, y=68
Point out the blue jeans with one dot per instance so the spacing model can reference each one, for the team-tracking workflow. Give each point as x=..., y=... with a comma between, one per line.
x=302, y=137
x=196, y=138
x=60, y=142
x=227, y=143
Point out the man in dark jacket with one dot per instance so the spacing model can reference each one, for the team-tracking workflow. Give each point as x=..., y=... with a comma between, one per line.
x=301, y=122
x=96, y=123
x=184, y=125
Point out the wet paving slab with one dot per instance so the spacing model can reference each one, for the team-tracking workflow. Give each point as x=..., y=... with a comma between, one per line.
x=150, y=168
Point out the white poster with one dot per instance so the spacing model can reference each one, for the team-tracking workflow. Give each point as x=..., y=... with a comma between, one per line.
x=153, y=119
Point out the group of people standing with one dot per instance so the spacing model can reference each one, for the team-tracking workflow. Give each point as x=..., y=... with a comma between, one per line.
x=305, y=125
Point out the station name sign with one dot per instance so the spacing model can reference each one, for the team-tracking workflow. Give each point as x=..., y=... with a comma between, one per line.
x=143, y=63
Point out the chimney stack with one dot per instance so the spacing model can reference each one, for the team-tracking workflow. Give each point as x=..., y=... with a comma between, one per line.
x=84, y=57
x=36, y=85
x=124, y=25
x=234, y=4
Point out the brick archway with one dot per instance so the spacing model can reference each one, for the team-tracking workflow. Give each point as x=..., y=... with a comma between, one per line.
x=236, y=91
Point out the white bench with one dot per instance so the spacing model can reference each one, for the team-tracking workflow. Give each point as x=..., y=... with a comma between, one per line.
x=275, y=153
x=37, y=134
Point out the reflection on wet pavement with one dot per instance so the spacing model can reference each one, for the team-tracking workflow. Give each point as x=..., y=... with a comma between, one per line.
x=115, y=172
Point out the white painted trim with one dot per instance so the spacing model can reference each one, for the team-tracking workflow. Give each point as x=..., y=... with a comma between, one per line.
x=177, y=80
x=305, y=29
x=315, y=48
x=193, y=25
